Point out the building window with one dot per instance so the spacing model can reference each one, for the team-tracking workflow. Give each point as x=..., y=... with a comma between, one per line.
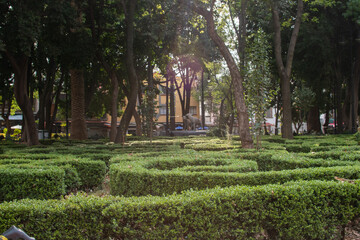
x=162, y=110
x=269, y=113
x=193, y=110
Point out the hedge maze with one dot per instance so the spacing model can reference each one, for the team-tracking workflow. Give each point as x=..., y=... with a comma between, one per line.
x=182, y=188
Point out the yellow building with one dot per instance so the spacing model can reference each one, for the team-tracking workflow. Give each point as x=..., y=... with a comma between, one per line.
x=161, y=107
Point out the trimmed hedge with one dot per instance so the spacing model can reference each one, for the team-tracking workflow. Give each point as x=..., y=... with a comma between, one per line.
x=292, y=161
x=300, y=210
x=305, y=210
x=26, y=181
x=77, y=217
x=155, y=177
x=80, y=173
x=297, y=148
x=90, y=172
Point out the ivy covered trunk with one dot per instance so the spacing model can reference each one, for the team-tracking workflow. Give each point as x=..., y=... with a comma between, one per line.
x=78, y=121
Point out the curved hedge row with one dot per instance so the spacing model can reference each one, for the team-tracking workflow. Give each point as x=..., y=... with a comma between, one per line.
x=300, y=210
x=158, y=177
x=276, y=162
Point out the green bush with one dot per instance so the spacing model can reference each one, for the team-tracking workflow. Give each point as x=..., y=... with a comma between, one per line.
x=26, y=181
x=77, y=217
x=158, y=177
x=297, y=148
x=90, y=172
x=278, y=162
x=336, y=154
x=72, y=180
x=305, y=210
x=275, y=140
x=98, y=157
x=298, y=210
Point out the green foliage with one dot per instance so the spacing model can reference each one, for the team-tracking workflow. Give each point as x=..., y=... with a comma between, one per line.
x=297, y=148
x=231, y=209
x=277, y=162
x=295, y=211
x=26, y=181
x=21, y=25
x=258, y=80
x=303, y=99
x=157, y=177
x=298, y=210
x=77, y=217
x=353, y=10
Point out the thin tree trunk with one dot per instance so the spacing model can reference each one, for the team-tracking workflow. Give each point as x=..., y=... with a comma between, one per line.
x=7, y=115
x=136, y=113
x=138, y=123
x=130, y=108
x=172, y=104
x=285, y=71
x=356, y=83
x=237, y=79
x=150, y=100
x=338, y=122
x=277, y=117
x=20, y=67
x=114, y=103
x=56, y=104
x=78, y=121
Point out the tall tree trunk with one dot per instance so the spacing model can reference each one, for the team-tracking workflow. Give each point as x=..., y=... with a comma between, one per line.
x=356, y=83
x=78, y=121
x=338, y=120
x=136, y=114
x=114, y=104
x=237, y=79
x=172, y=104
x=150, y=100
x=56, y=104
x=313, y=120
x=346, y=107
x=6, y=115
x=138, y=123
x=46, y=92
x=221, y=115
x=130, y=64
x=20, y=67
x=285, y=71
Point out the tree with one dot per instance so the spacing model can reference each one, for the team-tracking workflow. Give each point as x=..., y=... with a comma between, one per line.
x=284, y=69
x=6, y=93
x=129, y=10
x=187, y=67
x=20, y=29
x=302, y=100
x=237, y=79
x=81, y=41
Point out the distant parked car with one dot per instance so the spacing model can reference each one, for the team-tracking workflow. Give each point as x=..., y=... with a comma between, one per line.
x=205, y=128
x=179, y=128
